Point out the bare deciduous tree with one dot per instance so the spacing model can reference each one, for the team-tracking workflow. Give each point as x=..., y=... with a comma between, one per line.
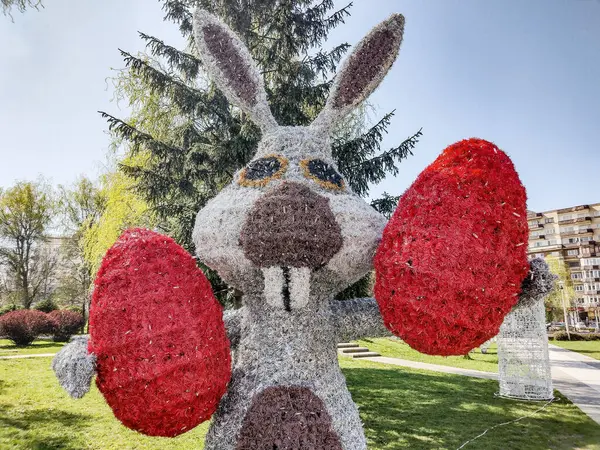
x=82, y=206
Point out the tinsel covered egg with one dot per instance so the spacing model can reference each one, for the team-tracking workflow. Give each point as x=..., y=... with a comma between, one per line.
x=453, y=256
x=163, y=360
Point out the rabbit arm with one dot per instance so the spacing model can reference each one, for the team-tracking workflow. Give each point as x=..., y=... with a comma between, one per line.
x=358, y=318
x=232, y=319
x=74, y=367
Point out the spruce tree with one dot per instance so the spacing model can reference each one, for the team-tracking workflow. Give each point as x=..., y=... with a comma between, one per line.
x=195, y=140
x=19, y=5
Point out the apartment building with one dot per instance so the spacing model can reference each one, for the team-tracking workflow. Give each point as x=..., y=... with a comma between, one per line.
x=54, y=256
x=573, y=235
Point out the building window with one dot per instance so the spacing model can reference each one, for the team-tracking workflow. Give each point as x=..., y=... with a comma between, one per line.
x=590, y=262
x=573, y=252
x=592, y=287
x=550, y=219
x=573, y=264
x=576, y=276
x=566, y=217
x=579, y=288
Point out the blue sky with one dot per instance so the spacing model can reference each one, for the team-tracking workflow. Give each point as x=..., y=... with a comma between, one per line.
x=525, y=75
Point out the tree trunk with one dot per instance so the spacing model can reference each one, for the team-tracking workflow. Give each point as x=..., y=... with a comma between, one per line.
x=25, y=291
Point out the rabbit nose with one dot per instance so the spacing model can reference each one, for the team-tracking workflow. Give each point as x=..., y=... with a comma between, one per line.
x=291, y=226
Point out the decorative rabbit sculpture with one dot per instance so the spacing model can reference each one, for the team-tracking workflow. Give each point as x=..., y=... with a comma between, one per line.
x=290, y=234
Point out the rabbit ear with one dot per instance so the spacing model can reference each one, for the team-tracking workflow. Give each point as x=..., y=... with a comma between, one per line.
x=230, y=65
x=362, y=72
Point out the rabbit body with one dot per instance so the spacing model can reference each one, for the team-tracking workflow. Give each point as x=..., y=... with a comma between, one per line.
x=286, y=349
x=289, y=233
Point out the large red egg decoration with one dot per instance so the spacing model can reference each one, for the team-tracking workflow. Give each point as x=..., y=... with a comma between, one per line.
x=453, y=256
x=163, y=358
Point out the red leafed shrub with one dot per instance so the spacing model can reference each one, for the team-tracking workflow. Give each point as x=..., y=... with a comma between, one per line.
x=23, y=326
x=453, y=256
x=65, y=324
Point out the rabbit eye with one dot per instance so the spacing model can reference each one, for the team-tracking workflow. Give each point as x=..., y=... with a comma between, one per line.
x=322, y=173
x=260, y=171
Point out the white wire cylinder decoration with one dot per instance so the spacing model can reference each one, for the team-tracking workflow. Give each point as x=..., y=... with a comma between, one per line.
x=523, y=360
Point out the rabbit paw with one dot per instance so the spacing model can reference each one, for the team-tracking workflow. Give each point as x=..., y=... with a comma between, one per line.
x=74, y=367
x=539, y=282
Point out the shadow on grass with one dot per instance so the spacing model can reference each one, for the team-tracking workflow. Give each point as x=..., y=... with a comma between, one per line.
x=425, y=411
x=28, y=429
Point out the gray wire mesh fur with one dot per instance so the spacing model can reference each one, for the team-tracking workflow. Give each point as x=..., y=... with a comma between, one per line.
x=289, y=350
x=523, y=360
x=74, y=368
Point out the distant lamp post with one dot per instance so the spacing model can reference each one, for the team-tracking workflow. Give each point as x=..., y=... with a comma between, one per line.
x=562, y=292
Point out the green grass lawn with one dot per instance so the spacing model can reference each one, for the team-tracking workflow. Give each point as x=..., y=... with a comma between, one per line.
x=401, y=409
x=7, y=348
x=588, y=348
x=397, y=349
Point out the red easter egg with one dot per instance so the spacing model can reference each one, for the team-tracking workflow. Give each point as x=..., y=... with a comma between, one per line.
x=453, y=256
x=163, y=357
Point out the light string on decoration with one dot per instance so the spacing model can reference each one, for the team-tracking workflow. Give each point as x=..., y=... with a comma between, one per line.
x=527, y=416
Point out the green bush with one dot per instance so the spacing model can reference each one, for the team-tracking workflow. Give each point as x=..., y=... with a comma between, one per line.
x=45, y=306
x=8, y=308
x=76, y=309
x=562, y=336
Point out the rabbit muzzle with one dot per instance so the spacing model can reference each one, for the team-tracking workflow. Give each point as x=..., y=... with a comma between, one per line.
x=290, y=233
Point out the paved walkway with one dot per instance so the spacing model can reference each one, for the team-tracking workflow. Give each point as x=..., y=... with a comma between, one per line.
x=35, y=355
x=576, y=376
x=433, y=367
